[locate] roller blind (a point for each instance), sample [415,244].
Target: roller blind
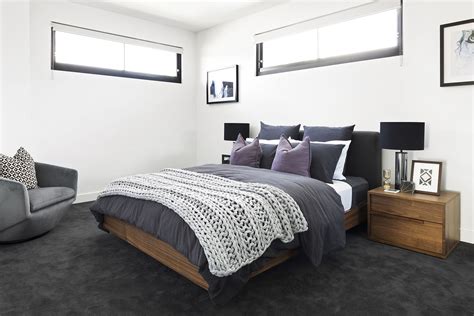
[329,19]
[60,27]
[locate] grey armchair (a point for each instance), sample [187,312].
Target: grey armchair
[25,214]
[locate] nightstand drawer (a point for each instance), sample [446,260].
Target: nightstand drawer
[407,232]
[413,209]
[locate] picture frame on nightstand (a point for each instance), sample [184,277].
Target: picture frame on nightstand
[426,176]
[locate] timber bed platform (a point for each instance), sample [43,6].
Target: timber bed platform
[167,255]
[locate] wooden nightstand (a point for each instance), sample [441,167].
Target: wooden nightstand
[419,222]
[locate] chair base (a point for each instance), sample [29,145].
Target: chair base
[23,240]
[37,224]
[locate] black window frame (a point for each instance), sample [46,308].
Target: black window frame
[343,59]
[112,72]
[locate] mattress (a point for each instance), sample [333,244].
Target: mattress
[353,191]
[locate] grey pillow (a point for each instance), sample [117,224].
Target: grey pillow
[246,155]
[295,160]
[324,161]
[20,168]
[268,154]
[325,133]
[274,132]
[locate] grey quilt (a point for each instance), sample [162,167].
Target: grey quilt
[320,204]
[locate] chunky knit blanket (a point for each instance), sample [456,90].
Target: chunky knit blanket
[235,222]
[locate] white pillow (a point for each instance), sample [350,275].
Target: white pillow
[265,141]
[338,173]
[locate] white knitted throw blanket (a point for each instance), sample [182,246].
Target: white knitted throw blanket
[235,222]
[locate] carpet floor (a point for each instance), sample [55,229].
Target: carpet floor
[79,269]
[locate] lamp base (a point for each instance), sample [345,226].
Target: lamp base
[401,167]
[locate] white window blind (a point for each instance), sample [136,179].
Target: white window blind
[329,19]
[364,32]
[113,37]
[83,50]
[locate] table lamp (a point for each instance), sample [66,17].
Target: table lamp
[402,136]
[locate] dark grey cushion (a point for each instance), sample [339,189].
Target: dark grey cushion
[274,131]
[44,197]
[325,133]
[324,161]
[268,154]
[289,159]
[244,154]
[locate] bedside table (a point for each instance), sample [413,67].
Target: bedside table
[419,222]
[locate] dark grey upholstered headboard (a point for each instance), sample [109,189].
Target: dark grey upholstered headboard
[364,158]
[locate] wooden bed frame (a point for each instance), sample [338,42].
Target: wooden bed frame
[170,257]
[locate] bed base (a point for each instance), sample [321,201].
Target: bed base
[167,255]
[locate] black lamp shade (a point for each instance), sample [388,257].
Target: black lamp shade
[232,130]
[402,135]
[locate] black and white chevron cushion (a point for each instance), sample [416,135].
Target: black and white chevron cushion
[20,168]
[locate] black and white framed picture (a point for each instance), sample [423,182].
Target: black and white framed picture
[223,85]
[426,175]
[457,53]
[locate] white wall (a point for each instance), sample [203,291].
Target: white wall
[15,63]
[1,73]
[105,127]
[364,93]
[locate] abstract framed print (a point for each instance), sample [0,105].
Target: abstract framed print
[457,53]
[426,176]
[223,85]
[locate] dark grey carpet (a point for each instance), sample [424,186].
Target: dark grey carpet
[78,269]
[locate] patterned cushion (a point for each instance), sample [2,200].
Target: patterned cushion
[20,168]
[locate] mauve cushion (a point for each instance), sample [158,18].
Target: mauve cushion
[275,132]
[293,160]
[325,133]
[246,155]
[324,161]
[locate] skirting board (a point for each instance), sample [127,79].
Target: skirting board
[467,235]
[86,197]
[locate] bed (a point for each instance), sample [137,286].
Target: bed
[162,236]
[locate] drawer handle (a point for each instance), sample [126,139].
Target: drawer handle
[418,221]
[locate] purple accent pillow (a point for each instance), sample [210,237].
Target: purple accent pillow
[246,155]
[293,160]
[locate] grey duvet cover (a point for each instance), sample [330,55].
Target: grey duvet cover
[320,205]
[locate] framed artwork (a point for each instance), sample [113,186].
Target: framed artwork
[426,176]
[223,85]
[457,53]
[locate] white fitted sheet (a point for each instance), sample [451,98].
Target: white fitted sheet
[345,192]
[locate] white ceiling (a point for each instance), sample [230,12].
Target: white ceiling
[193,15]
